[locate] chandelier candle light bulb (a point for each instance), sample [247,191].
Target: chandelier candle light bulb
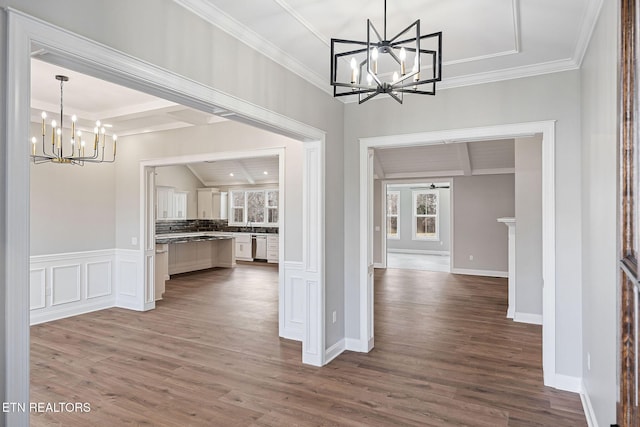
[403,57]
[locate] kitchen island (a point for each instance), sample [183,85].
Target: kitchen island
[184,252]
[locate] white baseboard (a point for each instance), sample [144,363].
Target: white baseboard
[417,251]
[511,312]
[355,344]
[379,265]
[534,319]
[568,383]
[334,351]
[75,310]
[589,413]
[485,273]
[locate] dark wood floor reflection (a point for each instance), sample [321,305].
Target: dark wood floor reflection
[209,355]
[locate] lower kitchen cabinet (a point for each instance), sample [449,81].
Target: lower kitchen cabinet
[273,248]
[243,247]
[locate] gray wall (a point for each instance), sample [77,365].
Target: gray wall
[182,179]
[379,208]
[478,201]
[528,183]
[406,223]
[547,97]
[72,207]
[219,137]
[599,179]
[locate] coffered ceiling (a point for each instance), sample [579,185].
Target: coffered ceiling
[483,40]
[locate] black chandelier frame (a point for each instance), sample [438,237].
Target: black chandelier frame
[405,83]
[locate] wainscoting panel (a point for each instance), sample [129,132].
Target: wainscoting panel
[98,279]
[292,302]
[65,284]
[129,277]
[68,284]
[38,291]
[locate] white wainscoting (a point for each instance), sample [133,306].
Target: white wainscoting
[63,285]
[68,284]
[292,302]
[486,273]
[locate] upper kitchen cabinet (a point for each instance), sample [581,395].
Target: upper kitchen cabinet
[170,203]
[212,203]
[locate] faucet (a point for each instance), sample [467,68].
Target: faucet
[249,225]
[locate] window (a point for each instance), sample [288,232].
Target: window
[272,207]
[237,207]
[393,214]
[425,215]
[255,207]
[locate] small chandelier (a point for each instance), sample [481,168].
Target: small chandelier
[73,151]
[381,65]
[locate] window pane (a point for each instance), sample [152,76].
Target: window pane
[432,202]
[238,215]
[255,206]
[392,226]
[273,216]
[237,198]
[392,204]
[421,204]
[272,198]
[426,227]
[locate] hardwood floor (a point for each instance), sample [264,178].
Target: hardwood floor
[209,355]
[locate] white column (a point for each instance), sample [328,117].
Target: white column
[511,225]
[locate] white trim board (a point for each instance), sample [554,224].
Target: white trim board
[589,412]
[418,251]
[484,273]
[448,136]
[533,319]
[334,351]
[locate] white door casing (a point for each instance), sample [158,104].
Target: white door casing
[547,129]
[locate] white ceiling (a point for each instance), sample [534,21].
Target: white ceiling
[446,160]
[483,40]
[249,171]
[126,110]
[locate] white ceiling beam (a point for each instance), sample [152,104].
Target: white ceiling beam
[434,174]
[378,171]
[196,174]
[463,157]
[245,172]
[494,171]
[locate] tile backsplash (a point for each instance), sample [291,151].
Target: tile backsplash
[195,225]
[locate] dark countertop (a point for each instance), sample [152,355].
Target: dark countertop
[187,239]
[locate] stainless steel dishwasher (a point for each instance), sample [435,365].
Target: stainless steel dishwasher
[259,247]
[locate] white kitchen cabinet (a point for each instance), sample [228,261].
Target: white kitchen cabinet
[164,202]
[212,203]
[273,248]
[243,246]
[180,205]
[170,203]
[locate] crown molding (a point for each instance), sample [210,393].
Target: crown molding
[586,31]
[226,23]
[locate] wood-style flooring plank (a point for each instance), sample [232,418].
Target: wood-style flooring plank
[209,355]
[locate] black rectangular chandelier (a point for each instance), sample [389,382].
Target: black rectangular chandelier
[379,65]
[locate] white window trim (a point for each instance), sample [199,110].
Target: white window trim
[245,211]
[397,237]
[414,235]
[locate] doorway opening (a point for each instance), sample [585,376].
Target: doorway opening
[456,137]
